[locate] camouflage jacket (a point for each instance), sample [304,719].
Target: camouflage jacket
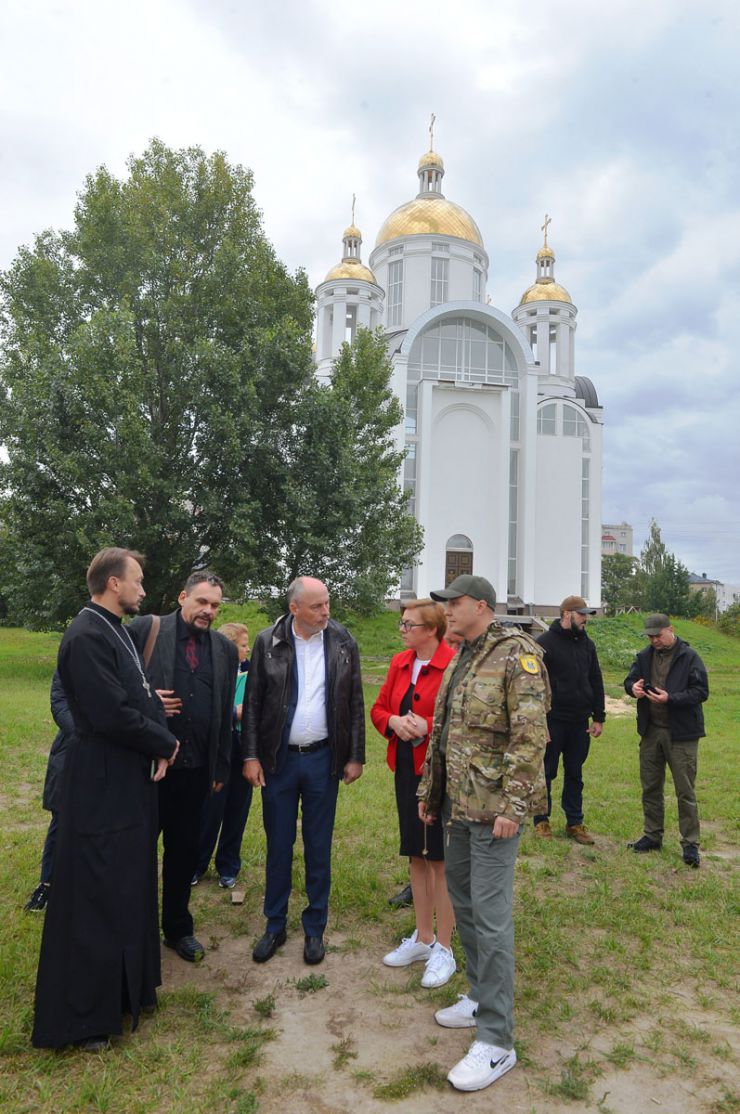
[497,733]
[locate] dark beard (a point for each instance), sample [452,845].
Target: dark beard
[131,609]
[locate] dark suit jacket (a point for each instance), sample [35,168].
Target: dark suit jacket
[161,672]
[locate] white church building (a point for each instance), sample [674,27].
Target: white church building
[503,439]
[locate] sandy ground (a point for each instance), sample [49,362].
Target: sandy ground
[388,1027]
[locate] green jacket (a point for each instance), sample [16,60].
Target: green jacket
[497,733]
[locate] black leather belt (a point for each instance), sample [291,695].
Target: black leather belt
[309,748]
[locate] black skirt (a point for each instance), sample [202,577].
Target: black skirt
[411,828]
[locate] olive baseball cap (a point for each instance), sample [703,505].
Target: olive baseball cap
[654,624]
[477,587]
[577,603]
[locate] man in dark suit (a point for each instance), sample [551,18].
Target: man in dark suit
[194,671]
[305,729]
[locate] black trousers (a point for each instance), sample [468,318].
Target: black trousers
[181,796]
[572,741]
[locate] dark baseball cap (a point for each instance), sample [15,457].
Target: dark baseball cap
[477,587]
[654,624]
[577,603]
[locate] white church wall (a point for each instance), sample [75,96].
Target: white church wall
[462,479]
[558,526]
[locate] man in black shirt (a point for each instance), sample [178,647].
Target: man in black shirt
[194,671]
[577,697]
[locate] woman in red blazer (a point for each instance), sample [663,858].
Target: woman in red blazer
[403,713]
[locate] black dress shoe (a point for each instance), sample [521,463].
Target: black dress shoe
[644,844]
[402,899]
[266,947]
[313,949]
[101,1043]
[691,855]
[187,947]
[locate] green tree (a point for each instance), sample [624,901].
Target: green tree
[662,580]
[729,621]
[344,517]
[619,585]
[151,359]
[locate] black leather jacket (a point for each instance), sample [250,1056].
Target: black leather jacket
[268,695]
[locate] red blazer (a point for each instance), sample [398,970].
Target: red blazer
[394,689]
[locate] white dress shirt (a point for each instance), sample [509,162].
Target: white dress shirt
[309,722]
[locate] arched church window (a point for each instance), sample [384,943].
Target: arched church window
[575,425]
[465,349]
[547,419]
[459,541]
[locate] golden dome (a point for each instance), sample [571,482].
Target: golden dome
[545,253]
[431,159]
[546,290]
[425,215]
[352,233]
[351,269]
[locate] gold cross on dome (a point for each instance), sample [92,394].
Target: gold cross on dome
[544,227]
[354,198]
[431,132]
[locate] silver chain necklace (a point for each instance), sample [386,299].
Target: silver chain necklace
[128,646]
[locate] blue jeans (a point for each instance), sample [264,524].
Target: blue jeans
[304,779]
[223,819]
[572,740]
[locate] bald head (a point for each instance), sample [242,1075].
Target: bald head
[308,600]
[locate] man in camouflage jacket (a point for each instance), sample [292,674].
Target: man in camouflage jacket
[484,773]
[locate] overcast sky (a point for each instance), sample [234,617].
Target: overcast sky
[619,120]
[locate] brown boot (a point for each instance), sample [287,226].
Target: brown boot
[579,833]
[543,829]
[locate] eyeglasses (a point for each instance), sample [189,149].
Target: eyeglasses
[406,625]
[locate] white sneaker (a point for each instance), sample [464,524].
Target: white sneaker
[440,967]
[410,950]
[459,1016]
[483,1065]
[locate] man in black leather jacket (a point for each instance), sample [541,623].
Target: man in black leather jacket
[303,730]
[577,697]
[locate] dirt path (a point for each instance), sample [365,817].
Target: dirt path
[366,1026]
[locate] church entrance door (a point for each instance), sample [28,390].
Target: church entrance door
[458,557]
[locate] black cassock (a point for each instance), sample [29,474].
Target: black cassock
[100,947]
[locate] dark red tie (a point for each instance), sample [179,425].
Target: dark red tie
[191,653]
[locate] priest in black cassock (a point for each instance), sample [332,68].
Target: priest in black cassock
[100,947]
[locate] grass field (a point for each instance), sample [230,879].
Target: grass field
[624,963]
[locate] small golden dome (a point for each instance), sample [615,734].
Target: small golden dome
[546,290]
[351,269]
[352,233]
[545,253]
[430,215]
[431,159]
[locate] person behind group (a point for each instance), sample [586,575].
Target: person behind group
[483,773]
[305,729]
[99,952]
[403,713]
[669,681]
[577,695]
[224,815]
[64,737]
[193,669]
